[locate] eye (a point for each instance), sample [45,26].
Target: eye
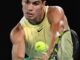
[36,3]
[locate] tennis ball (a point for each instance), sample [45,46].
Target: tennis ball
[40,46]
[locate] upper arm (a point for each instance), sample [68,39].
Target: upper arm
[55,13]
[17,34]
[57,18]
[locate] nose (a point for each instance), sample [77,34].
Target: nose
[30,7]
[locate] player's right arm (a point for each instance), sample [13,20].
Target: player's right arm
[17,39]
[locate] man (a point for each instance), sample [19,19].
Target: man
[37,33]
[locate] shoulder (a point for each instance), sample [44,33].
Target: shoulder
[17,28]
[16,32]
[58,9]
[55,13]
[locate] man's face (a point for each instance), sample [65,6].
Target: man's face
[32,9]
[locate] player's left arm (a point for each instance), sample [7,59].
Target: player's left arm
[57,19]
[59,24]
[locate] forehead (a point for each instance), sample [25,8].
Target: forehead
[33,0]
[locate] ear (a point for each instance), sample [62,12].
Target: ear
[22,3]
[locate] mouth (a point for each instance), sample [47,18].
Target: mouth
[29,14]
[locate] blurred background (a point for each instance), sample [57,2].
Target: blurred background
[11,13]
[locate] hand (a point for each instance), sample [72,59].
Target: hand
[45,56]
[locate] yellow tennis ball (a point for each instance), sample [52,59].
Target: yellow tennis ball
[40,46]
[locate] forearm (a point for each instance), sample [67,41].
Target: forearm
[17,58]
[17,53]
